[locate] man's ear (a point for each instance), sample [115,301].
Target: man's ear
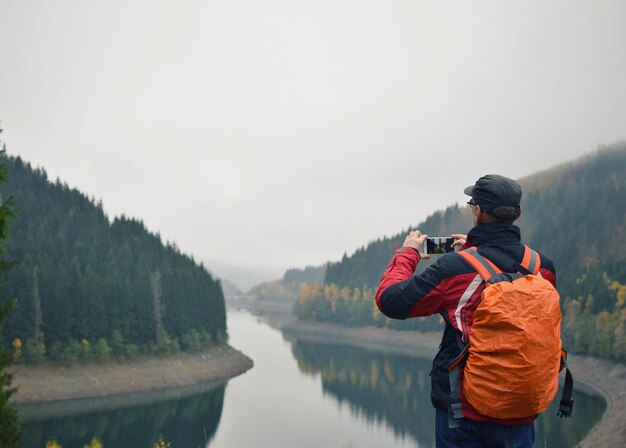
[476,212]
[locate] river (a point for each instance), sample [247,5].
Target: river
[299,394]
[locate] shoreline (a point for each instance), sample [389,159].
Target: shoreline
[98,385]
[597,376]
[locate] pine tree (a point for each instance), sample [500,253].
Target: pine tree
[9,420]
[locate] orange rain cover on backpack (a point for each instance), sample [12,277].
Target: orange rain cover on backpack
[515,342]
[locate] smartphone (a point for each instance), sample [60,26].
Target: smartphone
[438,245]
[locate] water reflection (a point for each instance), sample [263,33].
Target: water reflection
[299,394]
[554,431]
[190,421]
[395,389]
[392,389]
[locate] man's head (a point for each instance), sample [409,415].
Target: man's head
[496,195]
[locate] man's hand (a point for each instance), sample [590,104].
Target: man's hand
[416,239]
[459,239]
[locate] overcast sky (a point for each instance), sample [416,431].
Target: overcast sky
[282,133]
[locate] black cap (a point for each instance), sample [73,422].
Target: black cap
[497,195]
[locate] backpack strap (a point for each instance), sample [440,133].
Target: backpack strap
[485,268]
[531,261]
[567,402]
[455,411]
[503,262]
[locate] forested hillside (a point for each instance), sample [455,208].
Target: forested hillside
[85,284]
[366,265]
[288,288]
[574,213]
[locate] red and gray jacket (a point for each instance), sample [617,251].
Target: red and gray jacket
[452,289]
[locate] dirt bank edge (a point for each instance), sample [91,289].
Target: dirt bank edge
[48,382]
[590,374]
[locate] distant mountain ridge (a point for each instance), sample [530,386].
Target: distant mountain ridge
[575,213]
[242,278]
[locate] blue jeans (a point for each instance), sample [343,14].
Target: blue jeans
[473,434]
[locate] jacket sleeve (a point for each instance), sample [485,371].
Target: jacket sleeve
[402,294]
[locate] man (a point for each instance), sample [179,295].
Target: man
[452,288]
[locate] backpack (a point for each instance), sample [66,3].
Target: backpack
[514,355]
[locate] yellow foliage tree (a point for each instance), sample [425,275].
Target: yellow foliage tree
[620,291]
[161,443]
[331,291]
[17,349]
[95,443]
[309,292]
[619,347]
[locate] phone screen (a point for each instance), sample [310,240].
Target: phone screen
[439,245]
